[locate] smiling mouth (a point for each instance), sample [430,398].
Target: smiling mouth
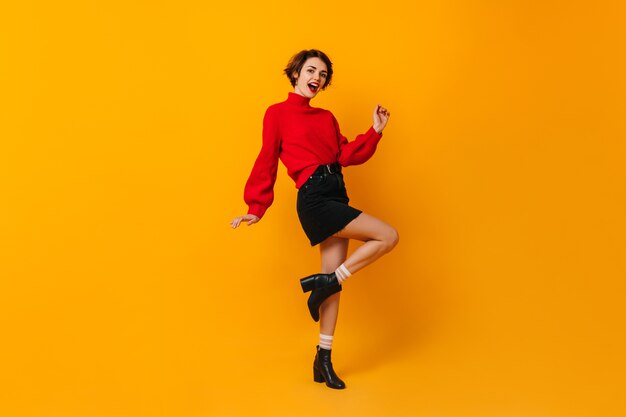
[313,87]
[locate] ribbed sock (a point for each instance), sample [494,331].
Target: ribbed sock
[342,273]
[326,341]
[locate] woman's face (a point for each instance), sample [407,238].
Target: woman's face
[312,77]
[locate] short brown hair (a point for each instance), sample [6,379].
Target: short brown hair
[297,62]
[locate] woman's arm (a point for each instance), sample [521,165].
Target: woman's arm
[259,189]
[363,146]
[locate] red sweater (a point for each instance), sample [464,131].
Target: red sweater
[303,137]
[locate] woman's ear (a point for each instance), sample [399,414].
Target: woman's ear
[295,76]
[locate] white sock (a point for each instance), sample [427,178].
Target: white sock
[326,341]
[342,273]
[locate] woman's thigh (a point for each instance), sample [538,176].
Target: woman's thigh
[367,227]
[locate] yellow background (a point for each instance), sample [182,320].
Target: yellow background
[128,129]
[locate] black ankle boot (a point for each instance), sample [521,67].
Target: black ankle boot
[318,281]
[321,286]
[317,297]
[323,370]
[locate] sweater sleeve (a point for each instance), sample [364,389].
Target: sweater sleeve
[360,149]
[259,190]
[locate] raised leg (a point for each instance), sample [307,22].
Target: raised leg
[379,238]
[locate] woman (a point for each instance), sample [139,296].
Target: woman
[308,142]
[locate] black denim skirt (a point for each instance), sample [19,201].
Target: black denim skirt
[322,205]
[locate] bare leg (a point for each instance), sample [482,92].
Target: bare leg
[378,236]
[333,252]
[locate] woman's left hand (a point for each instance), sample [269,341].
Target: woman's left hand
[381,116]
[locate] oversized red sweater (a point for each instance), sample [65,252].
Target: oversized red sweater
[302,137]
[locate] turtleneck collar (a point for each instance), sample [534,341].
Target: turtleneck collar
[298,100]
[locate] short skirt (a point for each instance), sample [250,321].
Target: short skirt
[322,205]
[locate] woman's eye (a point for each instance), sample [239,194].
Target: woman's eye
[310,71]
[323,75]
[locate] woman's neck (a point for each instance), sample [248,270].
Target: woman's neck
[299,99]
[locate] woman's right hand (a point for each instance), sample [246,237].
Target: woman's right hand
[250,218]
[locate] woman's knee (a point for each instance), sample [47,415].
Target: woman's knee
[390,239]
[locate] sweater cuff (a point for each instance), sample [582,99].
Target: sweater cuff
[374,132]
[257,210]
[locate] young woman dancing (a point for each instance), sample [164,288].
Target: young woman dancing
[308,142]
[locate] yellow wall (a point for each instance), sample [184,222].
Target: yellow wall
[128,129]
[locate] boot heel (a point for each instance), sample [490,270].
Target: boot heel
[317,375]
[307,283]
